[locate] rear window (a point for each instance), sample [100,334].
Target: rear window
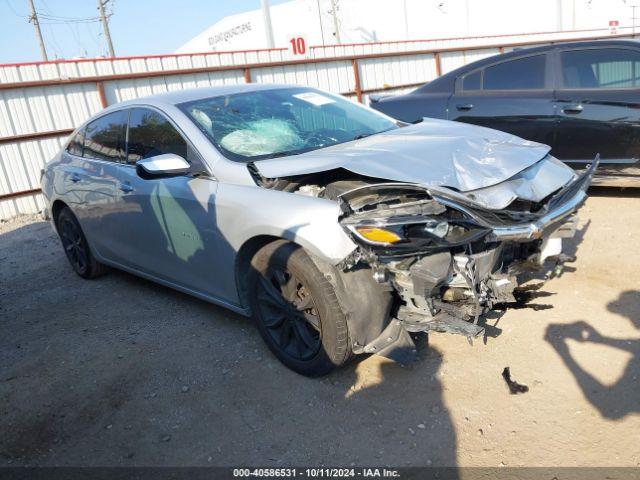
[522,74]
[105,137]
[472,81]
[601,68]
[76,144]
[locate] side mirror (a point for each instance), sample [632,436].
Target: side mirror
[166,165]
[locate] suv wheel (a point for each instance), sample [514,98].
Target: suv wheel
[296,310]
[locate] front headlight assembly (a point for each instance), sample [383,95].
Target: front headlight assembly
[417,233]
[404,218]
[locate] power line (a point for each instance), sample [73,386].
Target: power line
[73,29]
[66,19]
[68,23]
[44,18]
[58,51]
[46,13]
[55,20]
[95,37]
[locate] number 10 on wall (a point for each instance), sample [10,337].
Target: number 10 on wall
[298,46]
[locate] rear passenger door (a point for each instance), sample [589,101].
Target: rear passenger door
[91,174]
[515,96]
[598,104]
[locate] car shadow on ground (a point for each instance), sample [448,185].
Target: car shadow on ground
[614,400]
[402,406]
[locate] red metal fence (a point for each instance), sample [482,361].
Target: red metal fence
[359,64]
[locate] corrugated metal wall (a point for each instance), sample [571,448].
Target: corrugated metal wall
[40,103]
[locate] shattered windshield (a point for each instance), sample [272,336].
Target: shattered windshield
[285,121]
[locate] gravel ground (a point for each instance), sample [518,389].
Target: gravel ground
[120,371]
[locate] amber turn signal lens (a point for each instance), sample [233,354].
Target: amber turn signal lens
[378,235]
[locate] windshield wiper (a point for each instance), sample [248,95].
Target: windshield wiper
[362,135]
[281,154]
[365,135]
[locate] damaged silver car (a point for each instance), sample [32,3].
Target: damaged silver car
[341,230]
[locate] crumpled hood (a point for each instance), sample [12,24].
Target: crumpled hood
[434,152]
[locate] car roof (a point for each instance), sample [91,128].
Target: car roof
[445,81]
[181,96]
[559,45]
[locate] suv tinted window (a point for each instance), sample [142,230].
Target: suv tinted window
[472,81]
[151,134]
[104,137]
[76,144]
[522,74]
[601,68]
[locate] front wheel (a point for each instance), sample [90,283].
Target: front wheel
[297,311]
[76,247]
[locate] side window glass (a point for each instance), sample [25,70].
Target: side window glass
[151,134]
[601,68]
[472,81]
[76,144]
[104,137]
[521,74]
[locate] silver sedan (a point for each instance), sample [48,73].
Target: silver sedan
[339,229]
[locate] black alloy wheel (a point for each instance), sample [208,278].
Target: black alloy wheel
[289,314]
[74,244]
[76,247]
[296,309]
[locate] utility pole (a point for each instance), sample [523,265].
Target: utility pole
[34,19]
[336,26]
[406,20]
[559,15]
[266,15]
[105,26]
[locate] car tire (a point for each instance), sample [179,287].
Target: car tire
[76,246]
[296,310]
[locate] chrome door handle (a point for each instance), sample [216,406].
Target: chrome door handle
[464,106]
[126,187]
[574,108]
[75,178]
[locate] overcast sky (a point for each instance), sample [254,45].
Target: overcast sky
[138,27]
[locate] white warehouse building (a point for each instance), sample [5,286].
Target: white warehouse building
[327,22]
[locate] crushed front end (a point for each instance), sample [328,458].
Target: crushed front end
[449,259]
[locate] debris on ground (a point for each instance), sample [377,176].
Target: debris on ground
[514,387]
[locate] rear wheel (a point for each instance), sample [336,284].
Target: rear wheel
[296,310]
[76,247]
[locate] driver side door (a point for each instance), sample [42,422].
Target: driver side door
[167,225]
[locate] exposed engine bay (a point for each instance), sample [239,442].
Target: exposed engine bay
[447,257]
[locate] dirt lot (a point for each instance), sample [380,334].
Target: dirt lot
[120,371]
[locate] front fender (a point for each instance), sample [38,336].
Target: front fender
[244,212]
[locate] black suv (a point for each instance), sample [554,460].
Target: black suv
[580,98]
